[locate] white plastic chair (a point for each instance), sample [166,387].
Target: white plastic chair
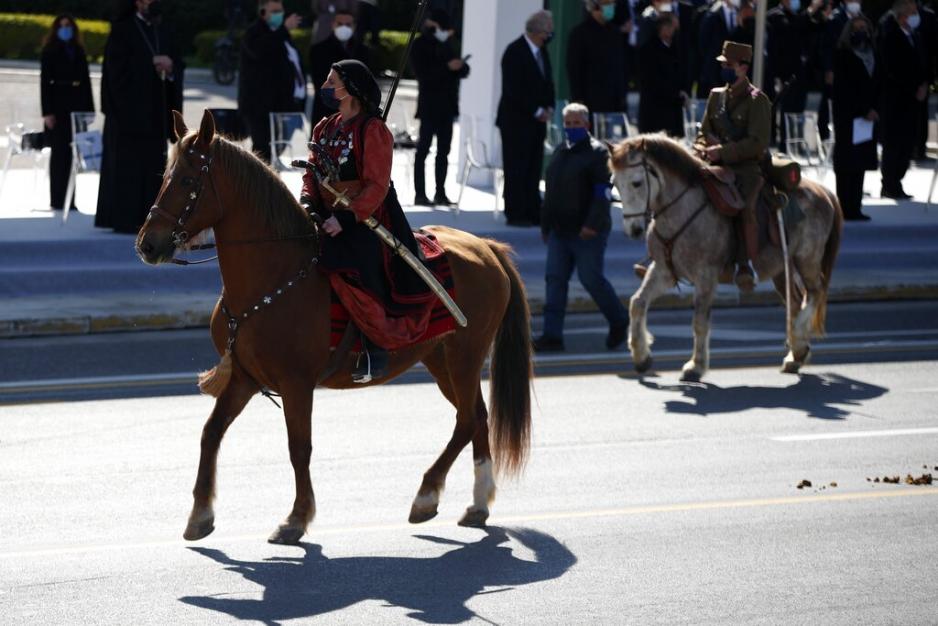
[612,126]
[802,139]
[87,147]
[692,110]
[283,131]
[405,132]
[933,147]
[22,140]
[479,158]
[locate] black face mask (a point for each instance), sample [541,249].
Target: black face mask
[859,39]
[153,11]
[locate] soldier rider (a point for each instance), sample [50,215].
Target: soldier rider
[735,133]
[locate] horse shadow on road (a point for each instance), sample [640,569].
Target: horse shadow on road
[818,396]
[435,589]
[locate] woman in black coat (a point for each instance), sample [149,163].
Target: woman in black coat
[856,95]
[64,88]
[662,78]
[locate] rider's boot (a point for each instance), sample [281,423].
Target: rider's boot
[372,362]
[640,268]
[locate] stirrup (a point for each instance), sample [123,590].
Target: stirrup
[745,278]
[362,375]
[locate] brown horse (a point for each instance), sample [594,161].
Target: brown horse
[659,180]
[266,253]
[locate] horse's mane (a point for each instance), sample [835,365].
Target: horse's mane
[258,187]
[664,151]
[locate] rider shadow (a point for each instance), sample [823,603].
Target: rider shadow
[817,396]
[436,589]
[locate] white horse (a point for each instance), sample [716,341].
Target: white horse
[659,182]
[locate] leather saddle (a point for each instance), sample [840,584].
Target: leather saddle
[720,184]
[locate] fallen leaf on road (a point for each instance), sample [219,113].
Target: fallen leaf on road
[894,480]
[924,479]
[834,484]
[804,483]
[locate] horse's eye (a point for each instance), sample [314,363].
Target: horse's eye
[187,181]
[637,184]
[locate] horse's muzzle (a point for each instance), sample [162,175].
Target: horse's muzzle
[155,248]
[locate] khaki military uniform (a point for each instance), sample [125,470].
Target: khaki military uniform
[738,118]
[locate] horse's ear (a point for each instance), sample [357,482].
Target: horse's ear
[611,147]
[207,129]
[179,125]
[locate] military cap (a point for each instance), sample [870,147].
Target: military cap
[738,52]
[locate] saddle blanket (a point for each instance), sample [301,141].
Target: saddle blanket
[440,321]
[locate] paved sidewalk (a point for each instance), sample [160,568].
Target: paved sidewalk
[60,278]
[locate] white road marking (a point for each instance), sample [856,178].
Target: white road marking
[858,434]
[648,509]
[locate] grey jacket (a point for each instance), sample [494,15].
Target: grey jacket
[577,189]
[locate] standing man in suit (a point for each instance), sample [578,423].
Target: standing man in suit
[904,89]
[788,51]
[596,59]
[271,77]
[527,103]
[438,69]
[662,79]
[715,28]
[345,42]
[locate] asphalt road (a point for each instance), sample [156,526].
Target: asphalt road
[645,501]
[164,363]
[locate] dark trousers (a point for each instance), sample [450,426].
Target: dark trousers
[898,143]
[60,161]
[564,253]
[824,113]
[522,158]
[921,130]
[258,127]
[850,190]
[442,129]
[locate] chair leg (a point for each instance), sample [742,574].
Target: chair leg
[463,178]
[6,168]
[931,188]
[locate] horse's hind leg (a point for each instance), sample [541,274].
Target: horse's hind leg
[483,491]
[802,314]
[704,291]
[227,407]
[657,281]
[463,394]
[297,409]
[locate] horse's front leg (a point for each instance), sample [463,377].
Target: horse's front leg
[227,407]
[297,410]
[657,281]
[704,291]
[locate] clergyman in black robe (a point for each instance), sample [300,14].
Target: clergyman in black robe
[141,84]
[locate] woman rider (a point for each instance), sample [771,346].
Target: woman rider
[386,299]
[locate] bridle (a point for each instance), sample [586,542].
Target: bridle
[180,235]
[649,215]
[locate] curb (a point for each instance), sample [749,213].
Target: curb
[187,319]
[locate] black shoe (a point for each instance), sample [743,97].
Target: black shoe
[859,217]
[440,199]
[895,194]
[616,336]
[422,201]
[546,343]
[372,363]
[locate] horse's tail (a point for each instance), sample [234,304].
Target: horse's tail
[214,381]
[831,248]
[511,372]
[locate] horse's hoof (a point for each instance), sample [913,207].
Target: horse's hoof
[643,366]
[474,519]
[791,367]
[286,535]
[199,530]
[418,516]
[690,376]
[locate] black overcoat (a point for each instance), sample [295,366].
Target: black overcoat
[856,92]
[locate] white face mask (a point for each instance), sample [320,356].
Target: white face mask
[441,35]
[344,33]
[734,3]
[914,21]
[853,9]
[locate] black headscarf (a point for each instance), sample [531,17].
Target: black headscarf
[360,83]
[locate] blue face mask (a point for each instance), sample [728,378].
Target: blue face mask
[65,33]
[609,11]
[794,5]
[576,135]
[275,19]
[549,37]
[728,74]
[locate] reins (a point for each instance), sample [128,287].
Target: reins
[650,215]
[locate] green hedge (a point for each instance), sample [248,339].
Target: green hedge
[21,35]
[387,55]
